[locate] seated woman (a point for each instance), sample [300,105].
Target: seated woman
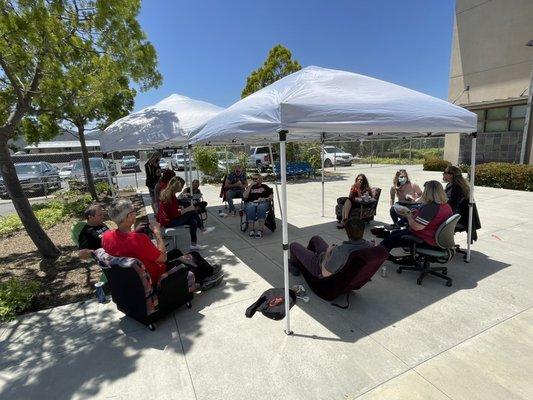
[359,190]
[124,242]
[322,260]
[162,183]
[171,215]
[457,189]
[257,196]
[408,193]
[192,196]
[423,221]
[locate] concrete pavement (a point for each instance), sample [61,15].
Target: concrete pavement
[397,340]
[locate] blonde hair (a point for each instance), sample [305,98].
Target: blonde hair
[434,193]
[174,186]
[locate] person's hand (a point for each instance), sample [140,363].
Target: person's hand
[84,254]
[187,209]
[143,227]
[156,228]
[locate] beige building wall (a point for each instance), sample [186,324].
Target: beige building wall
[489,61]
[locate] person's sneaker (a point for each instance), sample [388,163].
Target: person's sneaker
[259,234]
[196,247]
[252,233]
[293,269]
[207,230]
[212,281]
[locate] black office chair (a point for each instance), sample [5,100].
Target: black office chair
[424,254]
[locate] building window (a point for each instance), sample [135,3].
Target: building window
[501,119]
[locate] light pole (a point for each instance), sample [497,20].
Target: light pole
[527,121]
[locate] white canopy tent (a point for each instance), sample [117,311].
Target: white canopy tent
[318,104]
[168,123]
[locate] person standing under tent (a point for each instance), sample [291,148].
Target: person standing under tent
[153,172]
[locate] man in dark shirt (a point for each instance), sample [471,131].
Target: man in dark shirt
[90,237]
[234,185]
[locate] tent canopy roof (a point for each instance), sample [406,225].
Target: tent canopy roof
[169,122]
[337,104]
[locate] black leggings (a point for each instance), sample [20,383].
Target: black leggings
[194,262]
[395,239]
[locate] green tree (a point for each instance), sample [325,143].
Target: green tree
[40,43]
[279,63]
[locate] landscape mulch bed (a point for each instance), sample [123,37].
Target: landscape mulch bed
[66,280]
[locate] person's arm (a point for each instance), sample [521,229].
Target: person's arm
[325,260]
[246,192]
[85,254]
[455,197]
[423,216]
[160,243]
[392,195]
[415,226]
[417,192]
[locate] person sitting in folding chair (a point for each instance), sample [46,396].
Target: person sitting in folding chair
[192,196]
[234,187]
[257,197]
[88,234]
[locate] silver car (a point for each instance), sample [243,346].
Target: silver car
[35,177]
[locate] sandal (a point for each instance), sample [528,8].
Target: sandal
[259,234]
[252,233]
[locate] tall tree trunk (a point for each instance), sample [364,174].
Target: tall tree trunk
[43,243]
[86,164]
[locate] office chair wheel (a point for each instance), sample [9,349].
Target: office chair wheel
[445,271]
[151,327]
[449,283]
[419,281]
[399,270]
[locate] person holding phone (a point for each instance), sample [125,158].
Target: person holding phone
[257,196]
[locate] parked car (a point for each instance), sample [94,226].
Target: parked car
[65,171]
[35,177]
[260,157]
[177,161]
[99,171]
[163,164]
[231,157]
[335,156]
[130,163]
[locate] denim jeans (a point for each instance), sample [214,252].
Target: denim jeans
[232,194]
[256,211]
[190,218]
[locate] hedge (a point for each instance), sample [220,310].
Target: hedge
[505,176]
[435,164]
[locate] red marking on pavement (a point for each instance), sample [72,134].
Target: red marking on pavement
[494,236]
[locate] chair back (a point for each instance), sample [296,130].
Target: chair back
[445,233]
[76,230]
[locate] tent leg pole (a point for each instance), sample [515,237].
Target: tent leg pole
[185,163]
[471,201]
[322,150]
[285,233]
[275,179]
[189,153]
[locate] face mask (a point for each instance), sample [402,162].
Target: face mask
[402,180]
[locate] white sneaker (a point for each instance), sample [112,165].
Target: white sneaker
[207,230]
[196,247]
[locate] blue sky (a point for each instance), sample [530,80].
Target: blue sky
[207,48]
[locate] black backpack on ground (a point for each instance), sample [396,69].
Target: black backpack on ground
[270,221]
[272,304]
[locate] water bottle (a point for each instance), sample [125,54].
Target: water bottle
[100,294]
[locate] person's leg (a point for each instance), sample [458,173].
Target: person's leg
[251,211]
[346,210]
[300,255]
[262,209]
[230,194]
[395,239]
[155,206]
[199,267]
[173,258]
[394,216]
[190,219]
[317,245]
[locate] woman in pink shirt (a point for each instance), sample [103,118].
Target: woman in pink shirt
[408,193]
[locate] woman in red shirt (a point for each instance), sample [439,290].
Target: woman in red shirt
[171,215]
[424,221]
[162,183]
[360,189]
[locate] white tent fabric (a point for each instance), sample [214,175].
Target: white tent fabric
[323,104]
[342,105]
[167,123]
